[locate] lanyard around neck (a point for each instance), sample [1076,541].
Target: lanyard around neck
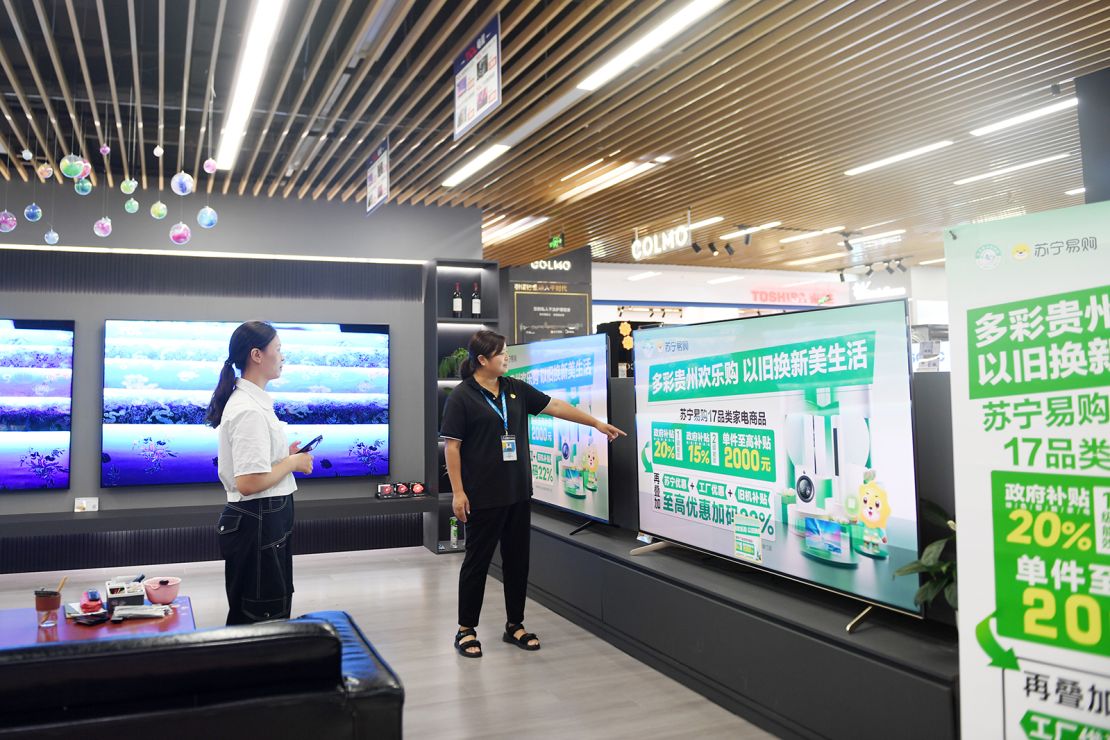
[503,412]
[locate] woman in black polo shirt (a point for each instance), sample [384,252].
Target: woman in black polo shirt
[485,425]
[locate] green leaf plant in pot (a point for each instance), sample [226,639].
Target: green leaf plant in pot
[449,365]
[938,576]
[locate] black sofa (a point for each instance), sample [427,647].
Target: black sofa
[312,677]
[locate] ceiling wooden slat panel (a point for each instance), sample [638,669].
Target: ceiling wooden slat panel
[760,106]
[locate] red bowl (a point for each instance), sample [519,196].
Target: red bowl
[162,589]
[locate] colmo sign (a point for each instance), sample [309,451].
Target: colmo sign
[666,241]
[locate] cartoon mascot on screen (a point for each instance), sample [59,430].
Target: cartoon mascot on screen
[874,513]
[589,474]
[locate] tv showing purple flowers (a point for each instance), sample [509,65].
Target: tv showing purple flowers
[159,377]
[36,379]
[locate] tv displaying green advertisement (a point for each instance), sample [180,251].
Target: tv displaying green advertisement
[786,443]
[570,462]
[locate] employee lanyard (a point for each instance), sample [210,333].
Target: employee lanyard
[503,413]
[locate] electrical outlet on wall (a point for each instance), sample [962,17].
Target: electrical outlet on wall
[86,504]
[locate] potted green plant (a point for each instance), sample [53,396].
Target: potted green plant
[938,575]
[449,365]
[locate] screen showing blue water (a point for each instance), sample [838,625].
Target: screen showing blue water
[159,377]
[36,377]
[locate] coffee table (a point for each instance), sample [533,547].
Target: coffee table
[20,626]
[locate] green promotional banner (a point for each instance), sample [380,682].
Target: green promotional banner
[747,453]
[1030,307]
[836,361]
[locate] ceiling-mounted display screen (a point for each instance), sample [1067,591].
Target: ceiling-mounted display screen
[785,442]
[159,377]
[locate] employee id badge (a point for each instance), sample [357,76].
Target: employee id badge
[508,447]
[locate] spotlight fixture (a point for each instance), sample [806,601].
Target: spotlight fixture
[747,240]
[847,240]
[842,276]
[889,269]
[729,249]
[870,271]
[713,249]
[696,247]
[900,266]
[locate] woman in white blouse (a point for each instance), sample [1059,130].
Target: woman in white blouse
[256,465]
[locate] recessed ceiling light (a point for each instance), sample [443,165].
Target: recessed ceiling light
[1008,170]
[1029,116]
[582,169]
[484,158]
[669,28]
[663,158]
[937,261]
[811,234]
[501,233]
[875,237]
[1076,191]
[751,230]
[815,260]
[607,180]
[643,276]
[706,222]
[898,158]
[723,280]
[873,226]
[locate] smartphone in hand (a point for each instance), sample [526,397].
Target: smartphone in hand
[311,444]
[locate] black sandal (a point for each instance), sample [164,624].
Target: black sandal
[522,641]
[464,648]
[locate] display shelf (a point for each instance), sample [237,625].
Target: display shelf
[444,334]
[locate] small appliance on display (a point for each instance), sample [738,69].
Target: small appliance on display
[570,462]
[402,490]
[417,488]
[785,442]
[385,490]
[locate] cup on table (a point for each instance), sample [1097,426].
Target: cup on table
[47,603]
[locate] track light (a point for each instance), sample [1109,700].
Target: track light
[847,240]
[842,276]
[730,250]
[900,266]
[870,271]
[696,247]
[713,249]
[889,269]
[747,240]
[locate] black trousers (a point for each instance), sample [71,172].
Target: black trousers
[256,538]
[511,526]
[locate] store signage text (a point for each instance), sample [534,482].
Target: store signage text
[561,265]
[655,244]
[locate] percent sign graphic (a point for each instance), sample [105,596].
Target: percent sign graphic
[1076,535]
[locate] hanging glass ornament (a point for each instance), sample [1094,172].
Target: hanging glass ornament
[45,171]
[26,154]
[158,150]
[131,205]
[32,212]
[86,170]
[182,183]
[158,210]
[207,217]
[210,166]
[50,237]
[105,150]
[82,187]
[180,234]
[8,221]
[102,227]
[128,186]
[71,165]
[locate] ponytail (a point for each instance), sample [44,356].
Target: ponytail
[246,337]
[485,343]
[220,395]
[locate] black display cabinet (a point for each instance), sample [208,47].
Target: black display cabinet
[445,333]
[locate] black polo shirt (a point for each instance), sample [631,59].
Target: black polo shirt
[488,480]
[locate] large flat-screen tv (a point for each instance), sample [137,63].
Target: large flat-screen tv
[36,384]
[785,442]
[159,377]
[570,462]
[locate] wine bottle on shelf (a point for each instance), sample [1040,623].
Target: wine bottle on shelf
[475,303]
[456,303]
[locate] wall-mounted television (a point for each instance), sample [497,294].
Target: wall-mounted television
[570,462]
[36,390]
[159,377]
[785,442]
